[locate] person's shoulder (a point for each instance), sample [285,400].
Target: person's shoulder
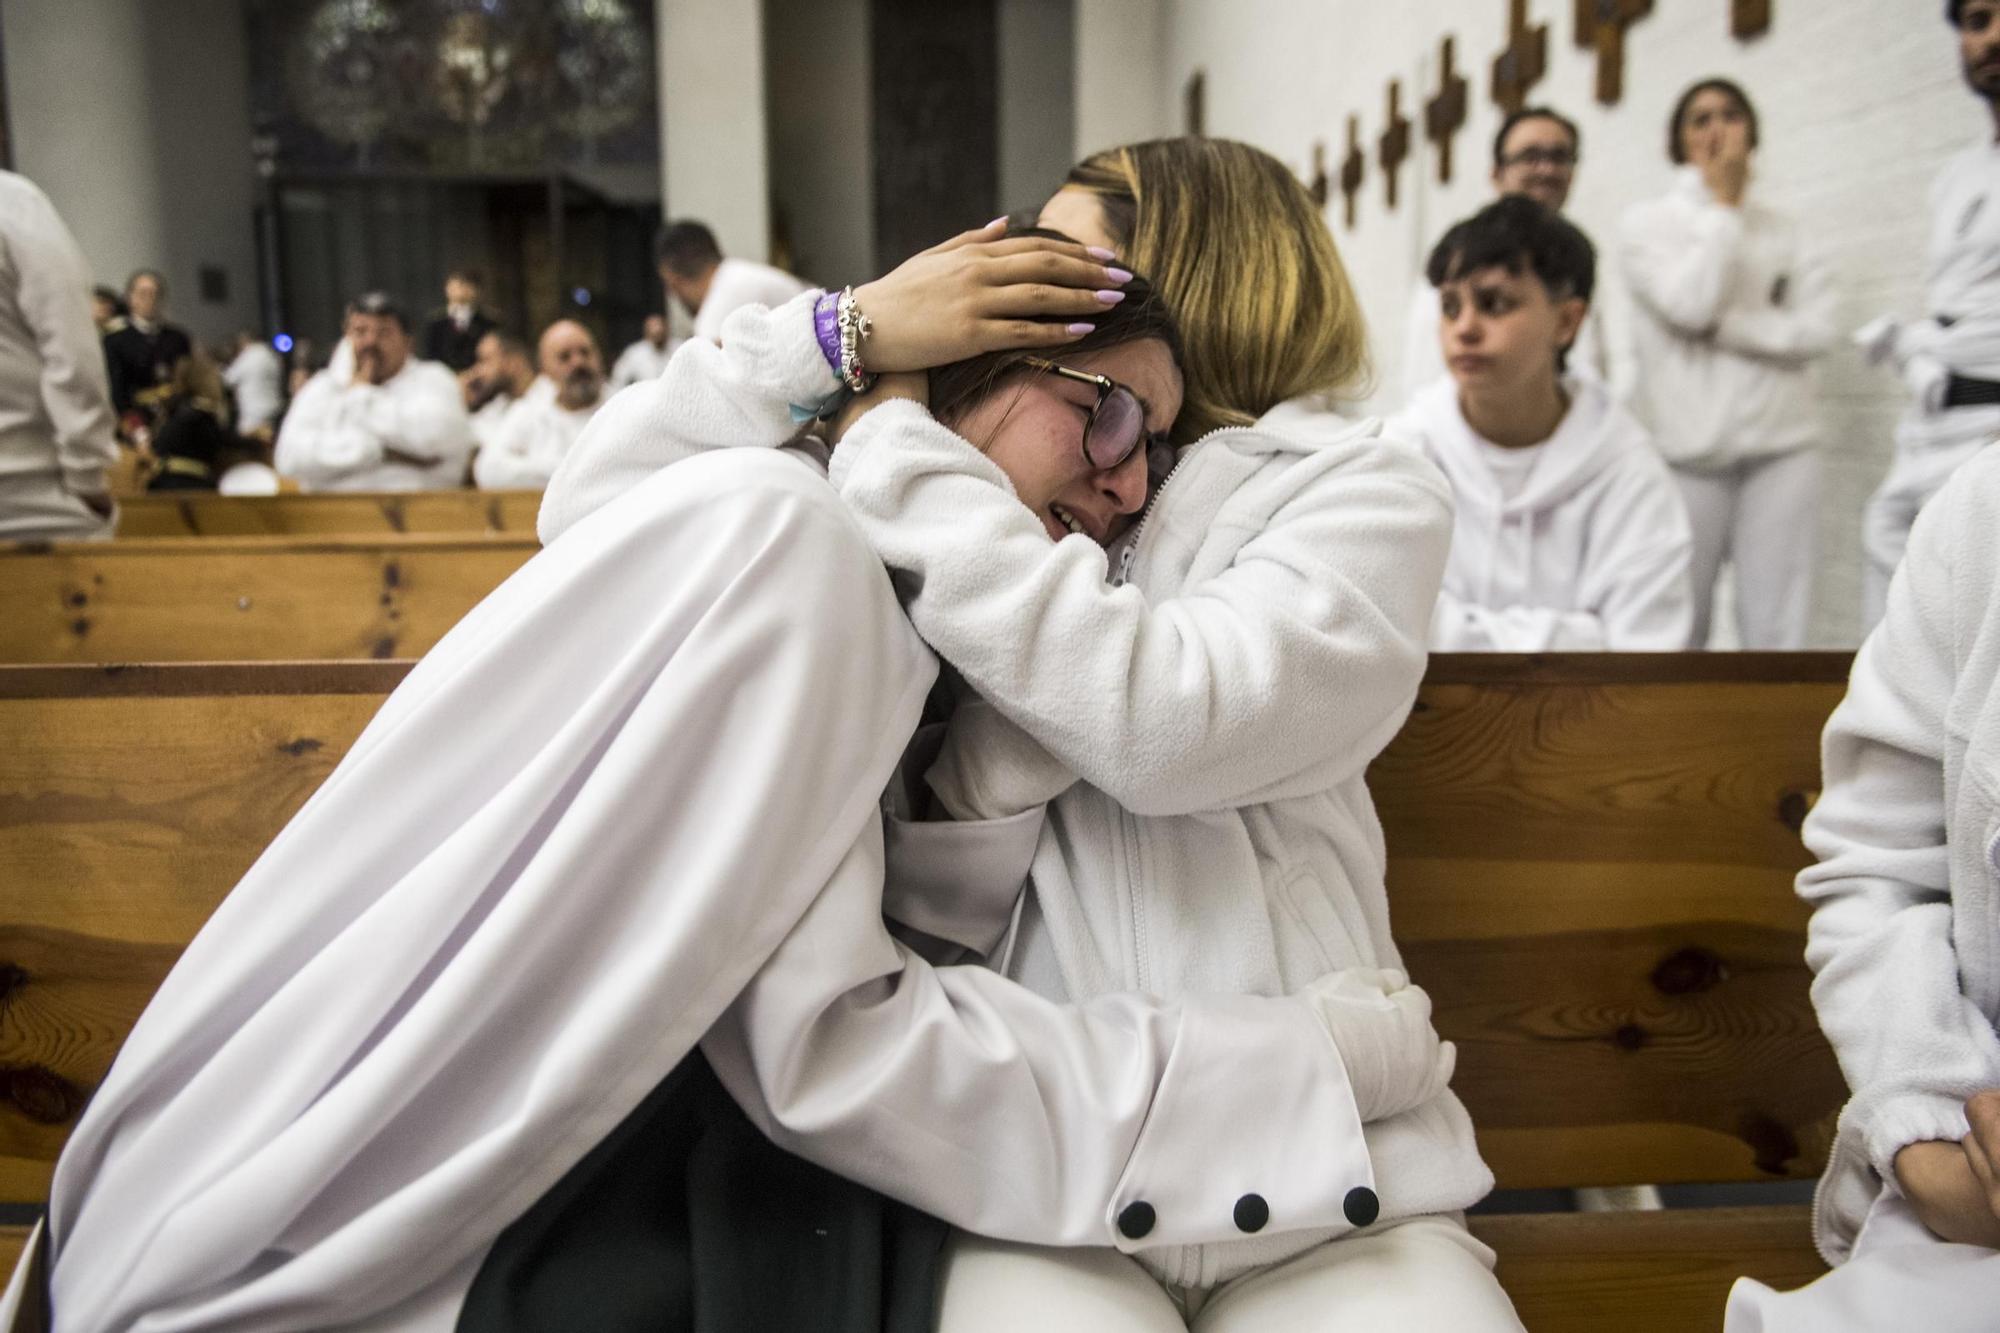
[431,377]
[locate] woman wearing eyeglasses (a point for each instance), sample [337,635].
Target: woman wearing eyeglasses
[1193,691]
[1732,303]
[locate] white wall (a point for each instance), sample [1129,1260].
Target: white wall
[134,117]
[1037,69]
[822,149]
[712,130]
[1121,72]
[1861,100]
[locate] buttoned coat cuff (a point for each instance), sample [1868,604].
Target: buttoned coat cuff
[1222,1156]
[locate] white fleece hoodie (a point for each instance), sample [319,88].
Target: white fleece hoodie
[1905,935]
[1591,554]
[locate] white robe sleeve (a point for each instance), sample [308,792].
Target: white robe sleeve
[1799,329]
[53,284]
[1285,673]
[1886,985]
[516,459]
[422,413]
[320,442]
[737,395]
[1678,263]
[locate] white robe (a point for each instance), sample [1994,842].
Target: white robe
[337,435]
[532,439]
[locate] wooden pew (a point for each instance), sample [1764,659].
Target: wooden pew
[205,514]
[244,598]
[1590,869]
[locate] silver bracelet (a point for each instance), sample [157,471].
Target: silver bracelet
[854,330]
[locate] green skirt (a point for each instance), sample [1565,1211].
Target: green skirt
[688,1220]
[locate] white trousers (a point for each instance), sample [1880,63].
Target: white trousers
[1762,515]
[1900,1276]
[1925,460]
[1426,1273]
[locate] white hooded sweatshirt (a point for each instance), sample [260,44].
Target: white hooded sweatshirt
[1588,553]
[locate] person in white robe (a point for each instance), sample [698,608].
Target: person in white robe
[1904,944]
[1568,534]
[539,430]
[1535,153]
[384,421]
[1733,302]
[711,287]
[502,374]
[256,378]
[1949,361]
[500,924]
[644,359]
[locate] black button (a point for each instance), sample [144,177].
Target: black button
[1252,1213]
[1361,1205]
[1136,1222]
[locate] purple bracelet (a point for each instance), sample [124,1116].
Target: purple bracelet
[826,327]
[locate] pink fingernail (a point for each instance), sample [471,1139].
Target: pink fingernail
[1080,329]
[1099,252]
[1118,275]
[996,222]
[1111,298]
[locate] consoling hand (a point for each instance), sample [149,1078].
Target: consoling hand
[984,292]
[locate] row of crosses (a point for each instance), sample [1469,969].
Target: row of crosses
[1601,26]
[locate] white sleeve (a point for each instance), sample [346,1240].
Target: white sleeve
[423,416]
[1636,563]
[1794,331]
[751,391]
[1465,627]
[969,1096]
[510,461]
[1678,263]
[318,443]
[1285,673]
[54,287]
[1886,972]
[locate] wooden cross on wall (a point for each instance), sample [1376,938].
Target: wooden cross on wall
[1522,62]
[1444,115]
[1394,146]
[1194,104]
[1318,186]
[1600,26]
[1353,168]
[1749,18]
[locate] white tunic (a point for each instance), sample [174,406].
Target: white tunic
[640,361]
[256,378]
[55,407]
[1731,306]
[337,435]
[738,283]
[1591,551]
[533,438]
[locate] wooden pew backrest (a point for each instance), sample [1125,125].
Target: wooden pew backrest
[205,514]
[1590,869]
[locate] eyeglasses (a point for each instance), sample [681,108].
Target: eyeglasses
[1116,426]
[1561,158]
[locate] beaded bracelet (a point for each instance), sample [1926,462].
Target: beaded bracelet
[826,328]
[854,330]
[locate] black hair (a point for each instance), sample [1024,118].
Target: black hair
[1517,234]
[1728,88]
[1954,13]
[1142,314]
[1535,113]
[468,275]
[116,300]
[686,248]
[382,304]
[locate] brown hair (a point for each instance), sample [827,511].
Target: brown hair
[1142,314]
[1243,255]
[1676,150]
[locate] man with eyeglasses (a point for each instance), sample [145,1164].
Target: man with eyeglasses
[1949,361]
[1534,154]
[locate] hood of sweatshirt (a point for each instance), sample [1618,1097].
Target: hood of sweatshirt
[1595,433]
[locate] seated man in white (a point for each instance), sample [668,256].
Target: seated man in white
[645,359]
[381,421]
[711,288]
[543,423]
[540,428]
[1905,949]
[1569,535]
[502,374]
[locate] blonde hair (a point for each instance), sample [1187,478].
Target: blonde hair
[1242,255]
